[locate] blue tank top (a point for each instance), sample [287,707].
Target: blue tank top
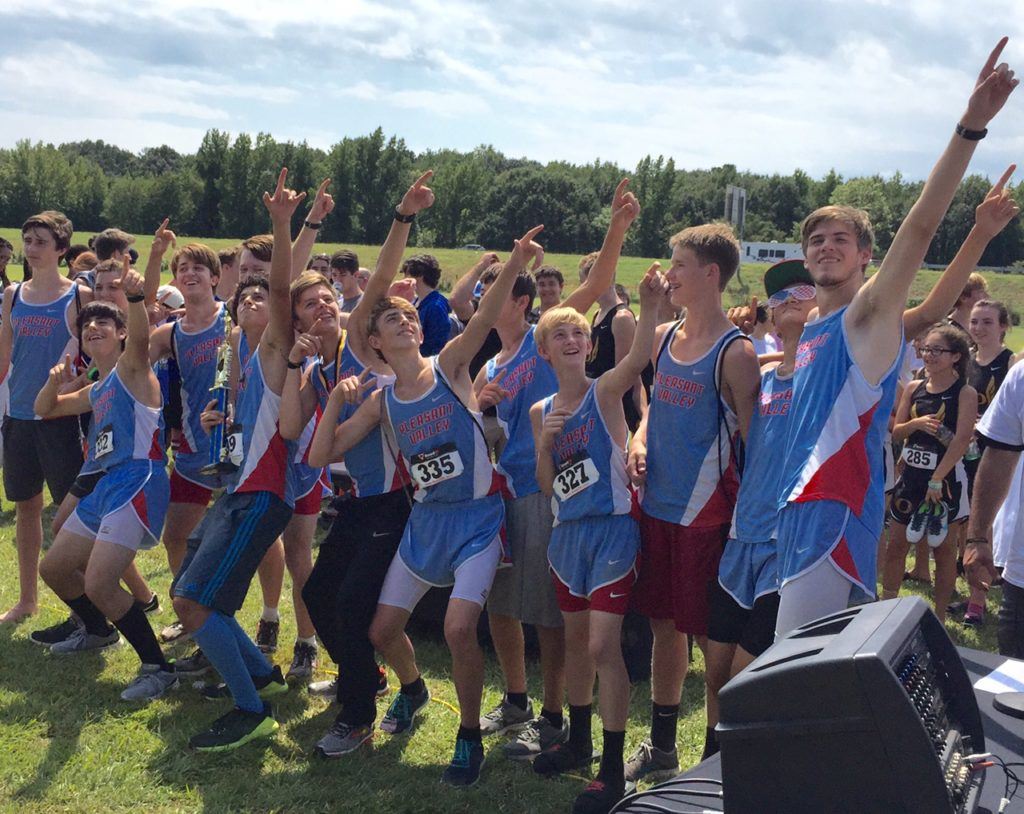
[833,448]
[757,506]
[41,340]
[590,470]
[442,443]
[122,428]
[196,357]
[528,379]
[374,469]
[265,453]
[691,471]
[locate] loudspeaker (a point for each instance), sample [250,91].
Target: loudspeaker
[866,710]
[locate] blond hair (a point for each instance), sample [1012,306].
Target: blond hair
[304,282]
[553,317]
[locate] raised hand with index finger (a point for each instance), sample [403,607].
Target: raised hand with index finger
[418,197]
[994,85]
[625,206]
[998,208]
[283,203]
[323,203]
[163,238]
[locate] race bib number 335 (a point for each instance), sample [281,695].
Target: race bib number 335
[436,466]
[574,475]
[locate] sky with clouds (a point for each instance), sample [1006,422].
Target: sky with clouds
[865,87]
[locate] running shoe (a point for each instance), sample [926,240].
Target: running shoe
[195,664]
[82,641]
[173,632]
[540,734]
[562,758]
[504,717]
[464,770]
[303,663]
[975,615]
[327,688]
[55,633]
[938,525]
[651,764]
[599,797]
[917,525]
[343,738]
[401,715]
[235,729]
[266,635]
[151,683]
[153,606]
[267,686]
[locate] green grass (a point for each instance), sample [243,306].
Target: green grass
[70,744]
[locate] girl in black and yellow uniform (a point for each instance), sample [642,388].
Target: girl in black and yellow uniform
[936,420]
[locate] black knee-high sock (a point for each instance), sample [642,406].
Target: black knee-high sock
[139,633]
[580,739]
[664,718]
[612,770]
[92,617]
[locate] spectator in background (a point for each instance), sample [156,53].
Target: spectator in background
[110,244]
[431,304]
[623,294]
[764,341]
[321,263]
[363,277]
[74,253]
[343,267]
[83,263]
[549,288]
[228,273]
[6,252]
[975,291]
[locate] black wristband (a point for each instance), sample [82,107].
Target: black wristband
[135,297]
[970,135]
[314,226]
[403,218]
[294,365]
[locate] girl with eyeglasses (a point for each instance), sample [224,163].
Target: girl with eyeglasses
[935,421]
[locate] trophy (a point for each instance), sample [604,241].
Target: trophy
[222,452]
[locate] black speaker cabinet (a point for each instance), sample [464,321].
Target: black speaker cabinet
[867,710]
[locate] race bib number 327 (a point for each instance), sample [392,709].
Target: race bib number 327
[436,466]
[574,475]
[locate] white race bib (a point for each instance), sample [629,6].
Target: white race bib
[233,444]
[920,458]
[436,466]
[574,475]
[104,442]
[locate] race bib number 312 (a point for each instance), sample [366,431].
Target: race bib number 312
[574,475]
[436,466]
[104,441]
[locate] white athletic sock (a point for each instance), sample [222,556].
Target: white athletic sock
[270,615]
[310,641]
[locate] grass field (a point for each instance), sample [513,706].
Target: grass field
[1006,287]
[69,744]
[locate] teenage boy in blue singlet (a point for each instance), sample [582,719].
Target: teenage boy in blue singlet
[512,382]
[832,499]
[580,434]
[36,333]
[454,531]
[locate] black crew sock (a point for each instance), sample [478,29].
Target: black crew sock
[710,743]
[553,718]
[518,699]
[663,726]
[612,770]
[139,633]
[92,618]
[580,740]
[416,687]
[469,733]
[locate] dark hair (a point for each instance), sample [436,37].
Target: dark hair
[549,271]
[227,257]
[382,307]
[345,260]
[318,256]
[249,281]
[100,310]
[56,223]
[108,265]
[423,267]
[762,313]
[260,246]
[109,241]
[1001,310]
[6,244]
[524,286]
[958,342]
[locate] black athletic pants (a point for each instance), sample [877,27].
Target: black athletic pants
[342,591]
[1010,629]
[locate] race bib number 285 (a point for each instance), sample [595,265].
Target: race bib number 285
[920,458]
[574,475]
[436,466]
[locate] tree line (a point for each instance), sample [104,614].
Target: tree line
[483,196]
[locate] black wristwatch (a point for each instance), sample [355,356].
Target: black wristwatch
[403,218]
[294,365]
[314,226]
[970,135]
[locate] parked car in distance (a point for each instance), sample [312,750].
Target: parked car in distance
[473,247]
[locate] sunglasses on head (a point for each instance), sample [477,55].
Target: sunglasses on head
[799,292]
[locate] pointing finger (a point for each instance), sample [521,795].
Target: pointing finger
[419,182]
[1007,173]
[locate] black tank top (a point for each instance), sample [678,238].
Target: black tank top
[602,359]
[944,406]
[987,379]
